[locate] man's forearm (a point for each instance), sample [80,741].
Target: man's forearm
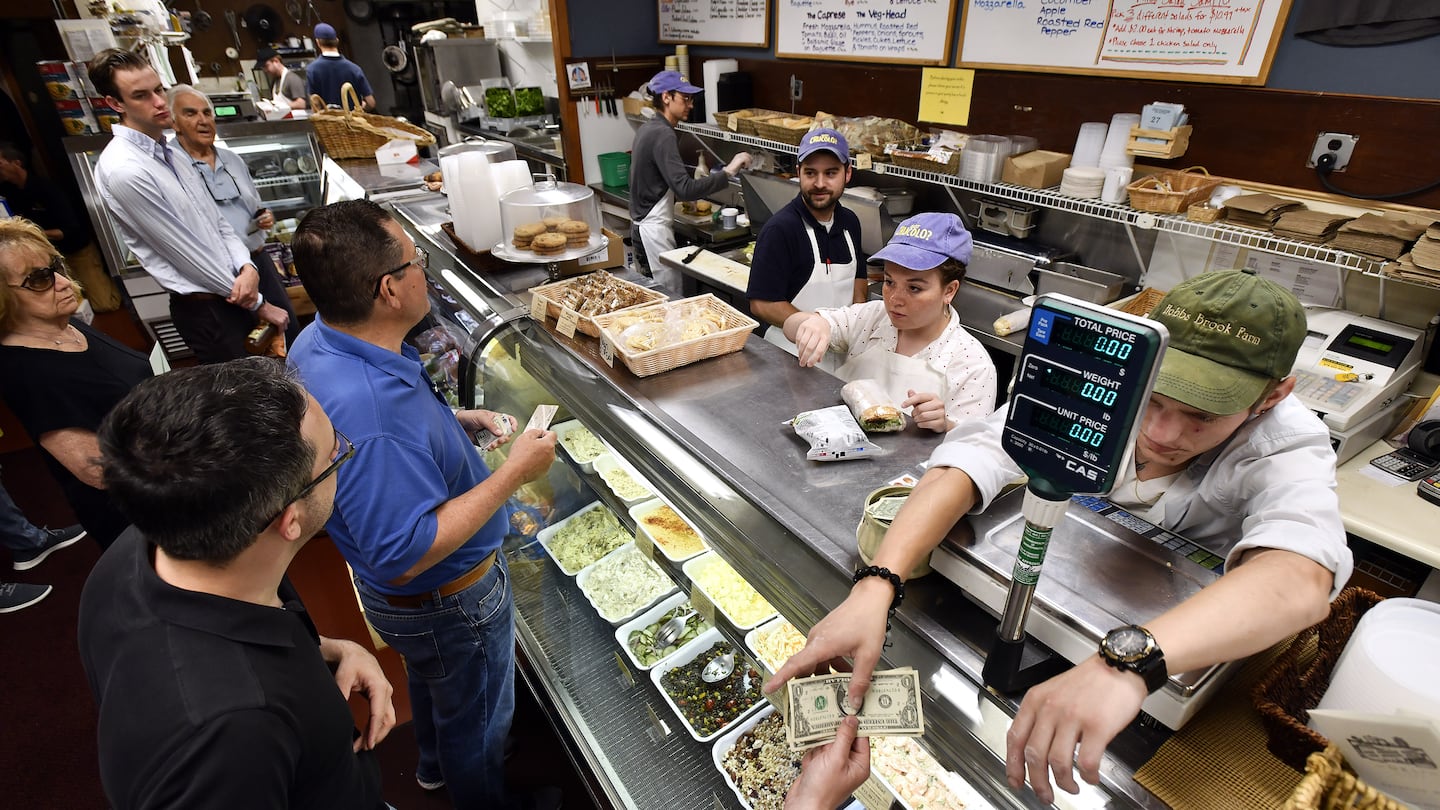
[457,520]
[1271,595]
[772,312]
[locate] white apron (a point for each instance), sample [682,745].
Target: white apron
[897,374]
[276,96]
[657,234]
[830,286]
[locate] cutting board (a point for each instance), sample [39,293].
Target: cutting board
[691,219]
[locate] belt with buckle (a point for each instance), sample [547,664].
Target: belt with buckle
[454,586]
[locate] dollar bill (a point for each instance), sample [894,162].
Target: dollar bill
[886,508]
[892,707]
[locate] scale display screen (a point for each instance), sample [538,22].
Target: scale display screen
[1084,376]
[227,111]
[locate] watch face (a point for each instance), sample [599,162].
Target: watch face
[1127,643]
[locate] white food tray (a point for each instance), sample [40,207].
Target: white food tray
[695,563]
[640,510]
[583,580]
[622,633]
[611,461]
[727,741]
[969,797]
[547,535]
[564,428]
[685,655]
[755,633]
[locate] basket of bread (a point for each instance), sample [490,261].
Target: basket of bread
[593,294]
[659,337]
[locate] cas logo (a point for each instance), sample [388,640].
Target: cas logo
[823,137]
[914,231]
[1088,472]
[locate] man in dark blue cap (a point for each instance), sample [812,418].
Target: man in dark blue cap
[807,256]
[330,71]
[658,176]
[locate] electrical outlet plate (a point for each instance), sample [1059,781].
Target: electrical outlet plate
[1342,145]
[797,87]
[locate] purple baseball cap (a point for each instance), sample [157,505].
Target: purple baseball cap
[925,241]
[667,80]
[824,139]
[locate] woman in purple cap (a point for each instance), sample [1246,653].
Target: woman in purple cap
[912,342]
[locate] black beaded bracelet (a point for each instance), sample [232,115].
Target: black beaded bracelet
[884,573]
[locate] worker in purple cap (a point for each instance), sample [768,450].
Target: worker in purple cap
[658,176]
[807,256]
[330,71]
[911,343]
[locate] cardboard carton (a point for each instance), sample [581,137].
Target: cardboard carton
[613,256]
[1037,169]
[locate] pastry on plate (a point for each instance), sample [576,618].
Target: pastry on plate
[524,234]
[548,244]
[553,224]
[576,231]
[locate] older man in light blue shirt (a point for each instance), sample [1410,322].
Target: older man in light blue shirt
[167,218]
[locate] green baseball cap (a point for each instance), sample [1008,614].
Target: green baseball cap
[1231,334]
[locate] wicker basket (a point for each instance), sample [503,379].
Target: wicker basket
[1328,785]
[586,325]
[1172,192]
[1200,212]
[1140,304]
[744,122]
[914,156]
[1285,694]
[789,130]
[352,133]
[735,328]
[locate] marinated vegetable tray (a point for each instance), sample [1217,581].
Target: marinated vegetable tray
[583,538]
[623,583]
[580,443]
[622,479]
[676,538]
[756,760]
[707,709]
[732,595]
[635,636]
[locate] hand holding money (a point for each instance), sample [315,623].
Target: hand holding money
[817,704]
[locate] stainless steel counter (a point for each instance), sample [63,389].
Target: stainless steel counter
[713,437]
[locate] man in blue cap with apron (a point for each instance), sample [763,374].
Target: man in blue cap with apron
[806,257]
[658,176]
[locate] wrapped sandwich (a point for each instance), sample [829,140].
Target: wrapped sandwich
[872,407]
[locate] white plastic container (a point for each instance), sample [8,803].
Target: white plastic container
[754,635]
[622,633]
[611,462]
[727,741]
[638,513]
[685,655]
[547,535]
[583,580]
[566,428]
[696,564]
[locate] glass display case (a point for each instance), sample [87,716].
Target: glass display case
[708,439]
[284,160]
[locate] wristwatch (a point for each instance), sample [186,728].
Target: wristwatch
[1133,649]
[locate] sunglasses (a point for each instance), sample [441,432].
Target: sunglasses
[421,260]
[40,279]
[344,451]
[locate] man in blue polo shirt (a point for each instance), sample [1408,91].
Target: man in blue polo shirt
[418,515]
[329,72]
[806,257]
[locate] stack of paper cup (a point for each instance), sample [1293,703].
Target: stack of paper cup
[682,61]
[1113,153]
[508,175]
[477,221]
[1089,143]
[1391,662]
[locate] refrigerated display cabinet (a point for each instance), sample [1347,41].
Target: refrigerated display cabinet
[284,160]
[701,434]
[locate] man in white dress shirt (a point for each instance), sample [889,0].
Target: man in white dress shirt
[167,218]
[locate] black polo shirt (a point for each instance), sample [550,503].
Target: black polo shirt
[209,702]
[783,257]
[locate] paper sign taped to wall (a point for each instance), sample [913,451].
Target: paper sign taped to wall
[945,95]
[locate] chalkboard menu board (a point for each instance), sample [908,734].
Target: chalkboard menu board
[906,31]
[715,22]
[1227,41]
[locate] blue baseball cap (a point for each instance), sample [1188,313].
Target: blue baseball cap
[925,241]
[325,31]
[824,139]
[667,80]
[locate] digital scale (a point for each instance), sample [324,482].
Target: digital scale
[1085,374]
[1350,367]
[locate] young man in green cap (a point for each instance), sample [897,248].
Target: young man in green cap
[1224,457]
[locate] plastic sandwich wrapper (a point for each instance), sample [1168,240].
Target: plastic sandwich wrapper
[872,407]
[833,434]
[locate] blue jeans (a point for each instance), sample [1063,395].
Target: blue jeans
[16,532]
[459,653]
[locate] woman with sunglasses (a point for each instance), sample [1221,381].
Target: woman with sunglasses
[59,376]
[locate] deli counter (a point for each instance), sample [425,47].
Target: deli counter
[712,440]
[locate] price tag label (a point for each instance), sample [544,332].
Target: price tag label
[862,160]
[778,700]
[538,305]
[595,258]
[569,320]
[607,350]
[626,677]
[658,729]
[733,122]
[645,545]
[702,604]
[874,795]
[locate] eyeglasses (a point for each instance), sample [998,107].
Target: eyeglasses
[344,452]
[40,279]
[421,260]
